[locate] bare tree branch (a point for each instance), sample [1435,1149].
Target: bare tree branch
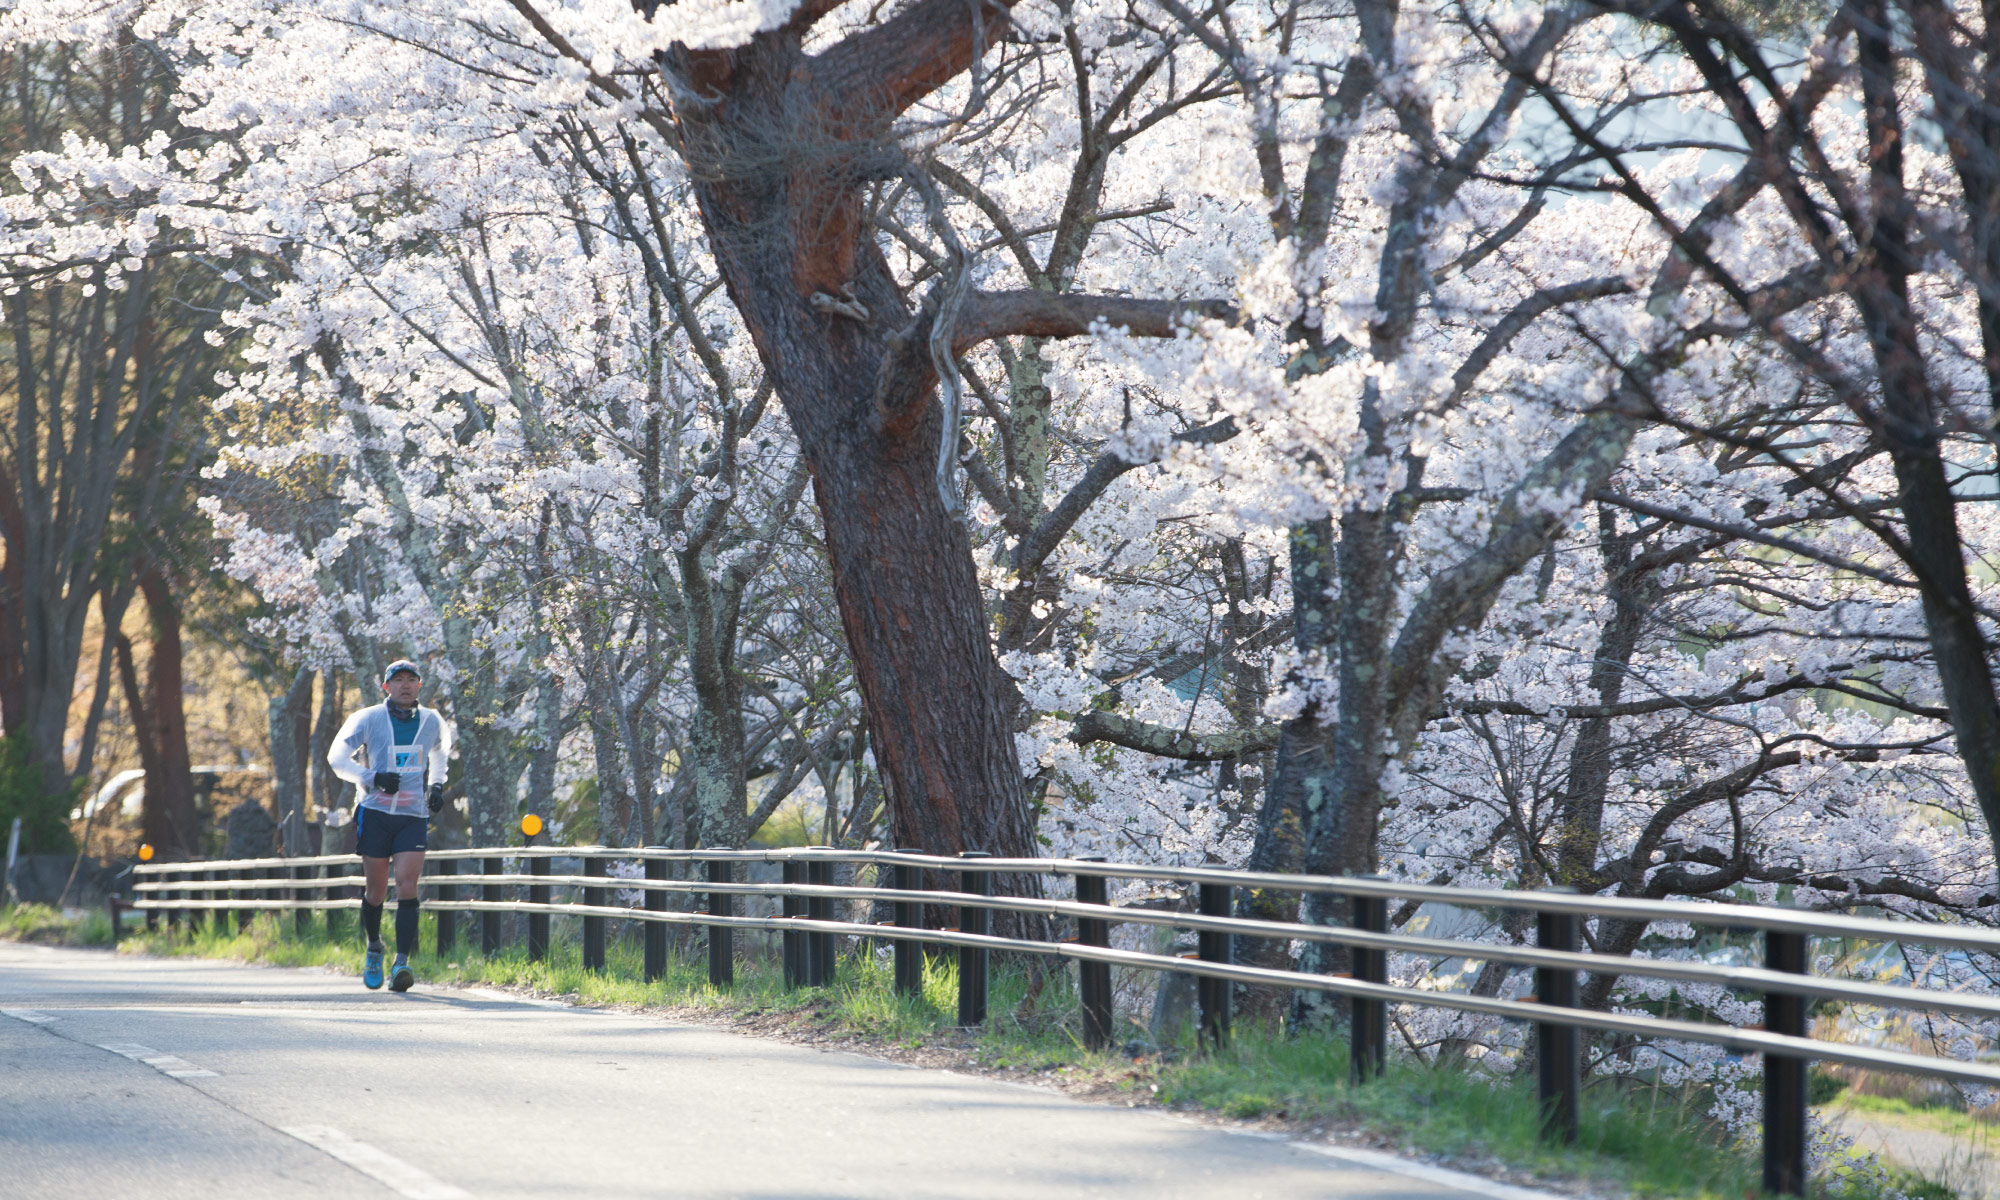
[1169,741]
[987,315]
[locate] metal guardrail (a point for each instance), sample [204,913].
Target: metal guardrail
[187,891]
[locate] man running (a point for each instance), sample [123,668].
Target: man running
[389,752]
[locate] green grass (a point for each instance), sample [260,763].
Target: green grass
[1941,1117]
[1649,1141]
[45,923]
[1644,1141]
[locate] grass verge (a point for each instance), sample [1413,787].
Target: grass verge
[1939,1118]
[1637,1139]
[51,926]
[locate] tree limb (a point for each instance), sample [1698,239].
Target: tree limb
[987,315]
[1168,741]
[1523,315]
[1751,534]
[877,73]
[1037,546]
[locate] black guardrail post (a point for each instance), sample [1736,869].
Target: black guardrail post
[243,915]
[190,916]
[538,922]
[972,960]
[656,931]
[1368,1026]
[446,893]
[593,927]
[794,948]
[489,922]
[205,918]
[116,904]
[301,917]
[172,894]
[820,908]
[1212,996]
[1558,1070]
[909,915]
[721,943]
[1785,1074]
[153,914]
[1093,979]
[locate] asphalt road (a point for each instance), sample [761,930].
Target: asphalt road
[167,1078]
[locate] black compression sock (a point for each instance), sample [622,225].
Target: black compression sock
[406,927]
[371,921]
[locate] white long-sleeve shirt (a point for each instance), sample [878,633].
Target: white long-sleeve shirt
[367,744]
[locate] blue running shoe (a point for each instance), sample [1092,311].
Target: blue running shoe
[401,977]
[371,967]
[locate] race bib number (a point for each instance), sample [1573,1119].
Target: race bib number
[406,760]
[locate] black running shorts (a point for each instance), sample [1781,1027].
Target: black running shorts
[384,835]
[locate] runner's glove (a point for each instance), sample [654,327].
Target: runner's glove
[436,798]
[388,781]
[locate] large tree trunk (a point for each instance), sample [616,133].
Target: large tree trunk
[715,754]
[1342,801]
[290,723]
[176,767]
[940,717]
[168,820]
[780,181]
[13,618]
[715,759]
[329,791]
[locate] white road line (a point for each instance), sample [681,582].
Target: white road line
[165,1064]
[511,998]
[387,1169]
[1461,1181]
[29,1015]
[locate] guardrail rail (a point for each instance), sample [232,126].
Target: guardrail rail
[474,881]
